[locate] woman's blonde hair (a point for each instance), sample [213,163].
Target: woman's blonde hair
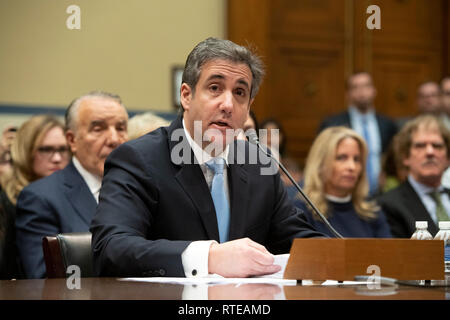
[23,149]
[144,123]
[319,166]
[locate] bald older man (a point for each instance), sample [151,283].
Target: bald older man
[65,201]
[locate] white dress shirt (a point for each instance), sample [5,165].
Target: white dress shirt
[195,257]
[93,181]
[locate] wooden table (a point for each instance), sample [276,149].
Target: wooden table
[110,298]
[113,289]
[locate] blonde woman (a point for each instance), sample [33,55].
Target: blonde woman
[336,182]
[38,150]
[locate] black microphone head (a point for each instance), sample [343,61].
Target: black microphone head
[252,136]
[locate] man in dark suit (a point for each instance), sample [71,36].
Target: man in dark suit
[65,201]
[159,212]
[423,146]
[361,116]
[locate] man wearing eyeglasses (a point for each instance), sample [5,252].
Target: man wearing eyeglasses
[423,146]
[65,201]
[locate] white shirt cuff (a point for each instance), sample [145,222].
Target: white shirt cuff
[195,259]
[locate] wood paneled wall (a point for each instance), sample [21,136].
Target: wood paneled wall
[311,46]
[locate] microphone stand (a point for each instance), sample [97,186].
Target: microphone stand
[255,140]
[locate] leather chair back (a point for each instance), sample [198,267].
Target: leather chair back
[68,249]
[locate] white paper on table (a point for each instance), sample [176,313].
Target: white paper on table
[213,280]
[275,278]
[281,260]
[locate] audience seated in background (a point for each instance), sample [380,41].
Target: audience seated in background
[336,183]
[38,150]
[445,103]
[362,117]
[96,124]
[163,212]
[423,146]
[8,135]
[143,123]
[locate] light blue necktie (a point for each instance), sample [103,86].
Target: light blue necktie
[369,169]
[219,197]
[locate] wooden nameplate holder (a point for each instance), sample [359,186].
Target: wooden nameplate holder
[343,259]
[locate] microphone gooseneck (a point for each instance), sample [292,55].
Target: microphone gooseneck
[253,138]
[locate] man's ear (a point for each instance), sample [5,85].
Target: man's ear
[185,96]
[70,137]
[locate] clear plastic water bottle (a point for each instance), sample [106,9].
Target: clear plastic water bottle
[421,232]
[444,234]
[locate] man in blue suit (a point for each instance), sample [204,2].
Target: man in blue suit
[65,201]
[181,201]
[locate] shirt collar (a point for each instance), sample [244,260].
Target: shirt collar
[93,181]
[200,154]
[338,199]
[355,112]
[422,189]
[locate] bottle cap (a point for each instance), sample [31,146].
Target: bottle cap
[444,224]
[421,224]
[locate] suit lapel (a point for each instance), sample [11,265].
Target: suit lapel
[239,198]
[191,179]
[190,176]
[416,207]
[78,194]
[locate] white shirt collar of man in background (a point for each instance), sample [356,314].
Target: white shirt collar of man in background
[93,182]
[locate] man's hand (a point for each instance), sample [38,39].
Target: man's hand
[240,258]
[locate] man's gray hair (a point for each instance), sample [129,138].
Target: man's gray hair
[213,48]
[72,110]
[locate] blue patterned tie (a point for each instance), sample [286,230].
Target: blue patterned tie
[369,169]
[219,197]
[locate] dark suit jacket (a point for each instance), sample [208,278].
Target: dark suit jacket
[150,209]
[9,268]
[59,203]
[403,207]
[386,126]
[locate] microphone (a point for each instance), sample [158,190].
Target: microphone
[253,138]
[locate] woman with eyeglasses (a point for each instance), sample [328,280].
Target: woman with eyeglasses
[39,149]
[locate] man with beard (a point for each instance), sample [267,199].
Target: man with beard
[361,116]
[423,145]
